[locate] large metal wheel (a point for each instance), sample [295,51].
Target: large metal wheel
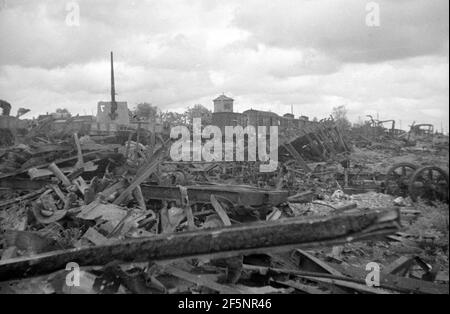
[429,183]
[397,178]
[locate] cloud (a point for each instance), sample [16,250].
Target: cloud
[338,28]
[267,55]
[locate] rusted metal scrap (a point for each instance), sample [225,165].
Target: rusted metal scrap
[228,241]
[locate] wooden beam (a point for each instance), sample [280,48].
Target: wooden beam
[59,161]
[291,149]
[19,199]
[200,280]
[143,173]
[237,194]
[220,211]
[80,161]
[311,263]
[59,174]
[214,243]
[397,283]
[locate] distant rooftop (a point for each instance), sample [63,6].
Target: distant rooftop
[268,113]
[223,97]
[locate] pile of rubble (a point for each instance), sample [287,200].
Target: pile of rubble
[136,222]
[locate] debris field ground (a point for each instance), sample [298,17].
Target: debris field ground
[137,222]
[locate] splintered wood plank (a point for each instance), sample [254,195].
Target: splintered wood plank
[143,174]
[215,243]
[220,211]
[200,280]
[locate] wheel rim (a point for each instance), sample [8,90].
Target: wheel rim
[397,178]
[429,183]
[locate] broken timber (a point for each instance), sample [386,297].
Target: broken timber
[291,149]
[228,241]
[46,164]
[143,173]
[237,194]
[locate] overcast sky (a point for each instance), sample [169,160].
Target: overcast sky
[266,54]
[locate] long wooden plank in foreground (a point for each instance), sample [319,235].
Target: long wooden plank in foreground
[237,239]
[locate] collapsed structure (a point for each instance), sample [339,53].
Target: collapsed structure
[82,190]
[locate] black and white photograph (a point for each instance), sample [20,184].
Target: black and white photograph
[227,154]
